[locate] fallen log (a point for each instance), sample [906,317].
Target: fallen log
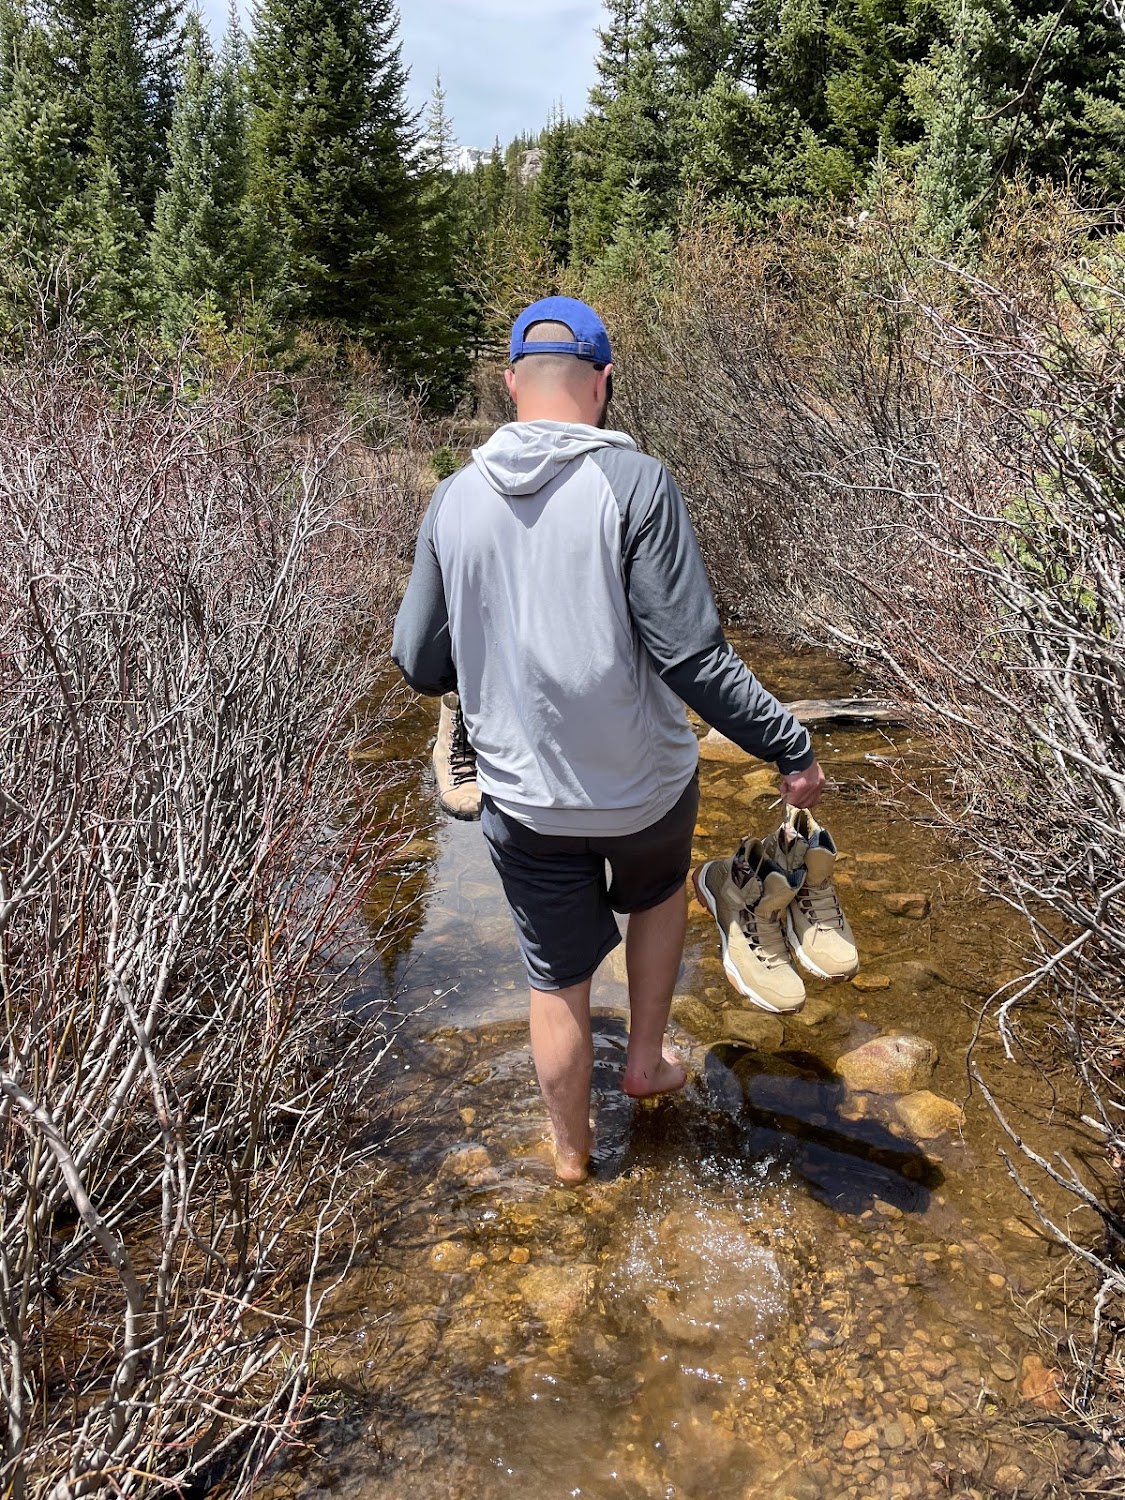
[845,711]
[813,713]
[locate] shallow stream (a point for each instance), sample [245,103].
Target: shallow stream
[772,1288]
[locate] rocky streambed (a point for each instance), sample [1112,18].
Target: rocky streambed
[810,1275]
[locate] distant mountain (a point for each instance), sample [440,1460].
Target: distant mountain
[468,158]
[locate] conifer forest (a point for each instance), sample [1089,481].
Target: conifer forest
[863,265]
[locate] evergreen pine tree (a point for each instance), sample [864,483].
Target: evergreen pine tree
[627,140]
[1055,75]
[955,173]
[39,171]
[549,220]
[330,141]
[120,60]
[203,255]
[436,349]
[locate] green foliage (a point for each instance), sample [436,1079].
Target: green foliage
[435,346]
[626,142]
[39,168]
[330,139]
[955,175]
[549,213]
[444,462]
[204,250]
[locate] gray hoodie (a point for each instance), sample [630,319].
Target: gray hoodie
[558,587]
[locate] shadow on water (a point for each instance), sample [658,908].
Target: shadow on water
[792,1107]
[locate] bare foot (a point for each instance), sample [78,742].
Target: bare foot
[668,1076]
[572,1167]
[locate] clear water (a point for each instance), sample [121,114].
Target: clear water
[769,1290]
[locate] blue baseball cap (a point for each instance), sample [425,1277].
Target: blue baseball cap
[590,342]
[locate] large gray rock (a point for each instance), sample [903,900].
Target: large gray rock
[889,1065]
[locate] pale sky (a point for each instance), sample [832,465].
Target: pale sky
[503,63]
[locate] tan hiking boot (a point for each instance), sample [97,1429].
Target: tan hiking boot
[455,765]
[818,931]
[748,897]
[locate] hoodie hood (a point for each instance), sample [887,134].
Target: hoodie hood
[521,457]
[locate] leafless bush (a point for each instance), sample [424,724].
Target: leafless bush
[926,468]
[188,590]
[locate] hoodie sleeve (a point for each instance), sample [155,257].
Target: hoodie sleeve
[673,608]
[421,647]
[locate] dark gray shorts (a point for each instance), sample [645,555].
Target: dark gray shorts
[560,898]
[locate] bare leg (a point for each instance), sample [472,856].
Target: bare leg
[654,946]
[563,1049]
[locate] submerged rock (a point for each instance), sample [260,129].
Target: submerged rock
[695,1016]
[889,1064]
[922,975]
[754,1028]
[557,1294]
[1040,1385]
[815,1010]
[469,1164]
[716,746]
[449,1255]
[927,1115]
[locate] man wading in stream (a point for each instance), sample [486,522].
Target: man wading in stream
[559,588]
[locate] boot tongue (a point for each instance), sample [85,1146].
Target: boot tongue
[820,860]
[794,849]
[741,871]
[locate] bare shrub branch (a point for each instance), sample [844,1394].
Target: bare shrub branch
[191,592]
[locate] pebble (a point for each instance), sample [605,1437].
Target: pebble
[449,1255]
[1040,1385]
[910,904]
[998,1281]
[1025,1231]
[866,982]
[520,1255]
[927,1115]
[1003,1370]
[856,1439]
[814,1011]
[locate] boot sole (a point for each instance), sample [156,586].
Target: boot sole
[462,817]
[807,963]
[729,969]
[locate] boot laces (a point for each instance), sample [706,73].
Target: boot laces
[462,760]
[822,905]
[766,936]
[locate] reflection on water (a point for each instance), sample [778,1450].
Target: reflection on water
[772,1288]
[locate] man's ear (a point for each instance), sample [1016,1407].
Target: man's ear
[510,382]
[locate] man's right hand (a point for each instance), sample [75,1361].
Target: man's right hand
[803,788]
